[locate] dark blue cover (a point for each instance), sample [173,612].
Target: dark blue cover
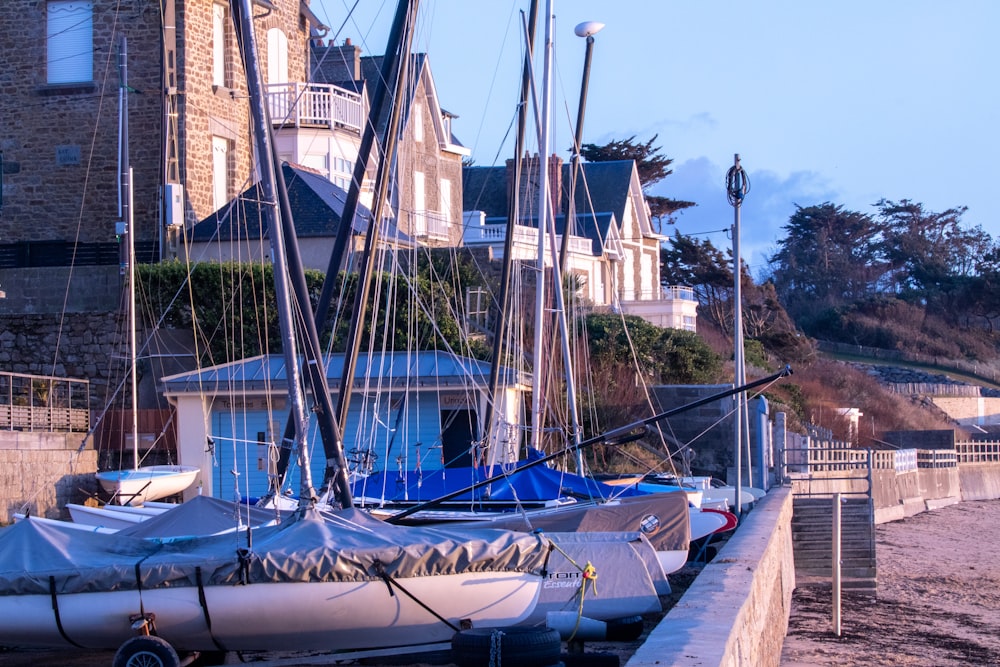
[536,484]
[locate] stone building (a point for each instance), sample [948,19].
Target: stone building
[612,249]
[67,68]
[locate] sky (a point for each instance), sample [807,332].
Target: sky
[847,102]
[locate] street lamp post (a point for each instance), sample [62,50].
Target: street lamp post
[586,29]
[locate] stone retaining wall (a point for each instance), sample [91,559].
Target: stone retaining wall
[736,612]
[41,472]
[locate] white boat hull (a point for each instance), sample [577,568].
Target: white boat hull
[276,616]
[102,518]
[139,485]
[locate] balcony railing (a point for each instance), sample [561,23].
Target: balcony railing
[429,224]
[523,234]
[314,105]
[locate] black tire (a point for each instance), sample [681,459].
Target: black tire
[519,647]
[625,629]
[146,651]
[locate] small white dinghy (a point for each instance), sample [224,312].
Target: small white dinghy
[136,486]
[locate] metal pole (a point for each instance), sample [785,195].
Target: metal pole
[737,187]
[836,563]
[584,29]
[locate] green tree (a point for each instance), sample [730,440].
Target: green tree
[665,356]
[830,256]
[651,165]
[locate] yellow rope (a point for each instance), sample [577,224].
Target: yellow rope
[589,576]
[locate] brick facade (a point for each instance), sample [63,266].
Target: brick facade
[60,142]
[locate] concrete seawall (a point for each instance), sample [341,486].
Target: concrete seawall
[979,481]
[736,612]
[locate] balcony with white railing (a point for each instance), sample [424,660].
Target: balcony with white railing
[672,307]
[525,240]
[426,224]
[297,104]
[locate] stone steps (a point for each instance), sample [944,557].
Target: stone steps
[812,541]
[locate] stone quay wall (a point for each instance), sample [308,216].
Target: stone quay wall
[42,471]
[904,482]
[736,612]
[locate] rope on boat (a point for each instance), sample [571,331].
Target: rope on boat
[589,573]
[55,609]
[390,582]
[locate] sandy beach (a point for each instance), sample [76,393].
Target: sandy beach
[938,600]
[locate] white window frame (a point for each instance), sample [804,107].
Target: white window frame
[69,41]
[419,204]
[219,43]
[277,56]
[445,204]
[418,122]
[220,172]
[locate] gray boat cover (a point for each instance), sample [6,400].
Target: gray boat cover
[203,515]
[663,518]
[343,546]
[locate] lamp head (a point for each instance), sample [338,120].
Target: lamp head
[588,28]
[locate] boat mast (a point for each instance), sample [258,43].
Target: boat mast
[242,17]
[344,233]
[382,178]
[127,252]
[543,217]
[501,303]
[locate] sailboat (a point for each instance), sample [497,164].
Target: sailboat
[138,484]
[334,581]
[531,496]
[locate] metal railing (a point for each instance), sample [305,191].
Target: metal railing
[43,403]
[429,224]
[816,470]
[315,105]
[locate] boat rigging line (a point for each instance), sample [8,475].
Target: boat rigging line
[618,436]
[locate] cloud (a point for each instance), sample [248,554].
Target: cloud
[765,211]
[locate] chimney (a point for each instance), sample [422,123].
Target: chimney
[336,64]
[530,181]
[555,183]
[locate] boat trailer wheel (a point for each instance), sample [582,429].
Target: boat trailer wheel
[146,651]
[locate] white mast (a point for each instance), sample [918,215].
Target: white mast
[128,260]
[543,217]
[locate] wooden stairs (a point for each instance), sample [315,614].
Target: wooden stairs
[812,541]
